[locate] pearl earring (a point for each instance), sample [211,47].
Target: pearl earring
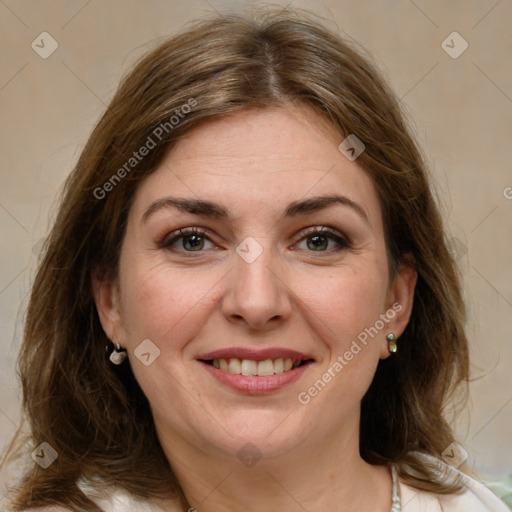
[391,342]
[117,356]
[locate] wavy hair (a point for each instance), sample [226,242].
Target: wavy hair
[95,415]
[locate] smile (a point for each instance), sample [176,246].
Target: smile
[255,372]
[260,368]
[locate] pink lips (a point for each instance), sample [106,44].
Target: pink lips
[255,385]
[254,354]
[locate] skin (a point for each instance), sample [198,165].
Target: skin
[293,296]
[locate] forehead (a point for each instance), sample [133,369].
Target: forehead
[260,158]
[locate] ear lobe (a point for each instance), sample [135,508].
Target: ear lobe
[105,298]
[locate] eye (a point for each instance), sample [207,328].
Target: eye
[317,240]
[192,240]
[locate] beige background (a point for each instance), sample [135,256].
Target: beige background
[461,109]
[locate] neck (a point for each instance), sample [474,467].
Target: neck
[310,477]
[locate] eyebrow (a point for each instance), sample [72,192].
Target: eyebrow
[213,210]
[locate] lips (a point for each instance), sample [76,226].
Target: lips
[253,371]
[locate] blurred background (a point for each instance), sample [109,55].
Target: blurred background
[450,63]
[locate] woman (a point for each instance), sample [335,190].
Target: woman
[246,301]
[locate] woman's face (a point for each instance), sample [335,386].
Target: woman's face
[256,287]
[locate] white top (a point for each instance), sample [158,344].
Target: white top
[475,497]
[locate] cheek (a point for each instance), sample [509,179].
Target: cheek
[348,309]
[345,302]
[358,306]
[164,304]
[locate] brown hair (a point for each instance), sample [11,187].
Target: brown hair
[95,415]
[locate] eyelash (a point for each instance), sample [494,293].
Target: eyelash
[343,243]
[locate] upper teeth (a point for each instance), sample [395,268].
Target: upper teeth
[260,368]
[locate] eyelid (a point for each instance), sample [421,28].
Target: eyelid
[341,239]
[170,238]
[328,231]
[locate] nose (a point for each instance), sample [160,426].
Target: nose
[257,294]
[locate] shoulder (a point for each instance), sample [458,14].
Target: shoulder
[116,499]
[475,496]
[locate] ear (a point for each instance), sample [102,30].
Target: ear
[399,301]
[106,297]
